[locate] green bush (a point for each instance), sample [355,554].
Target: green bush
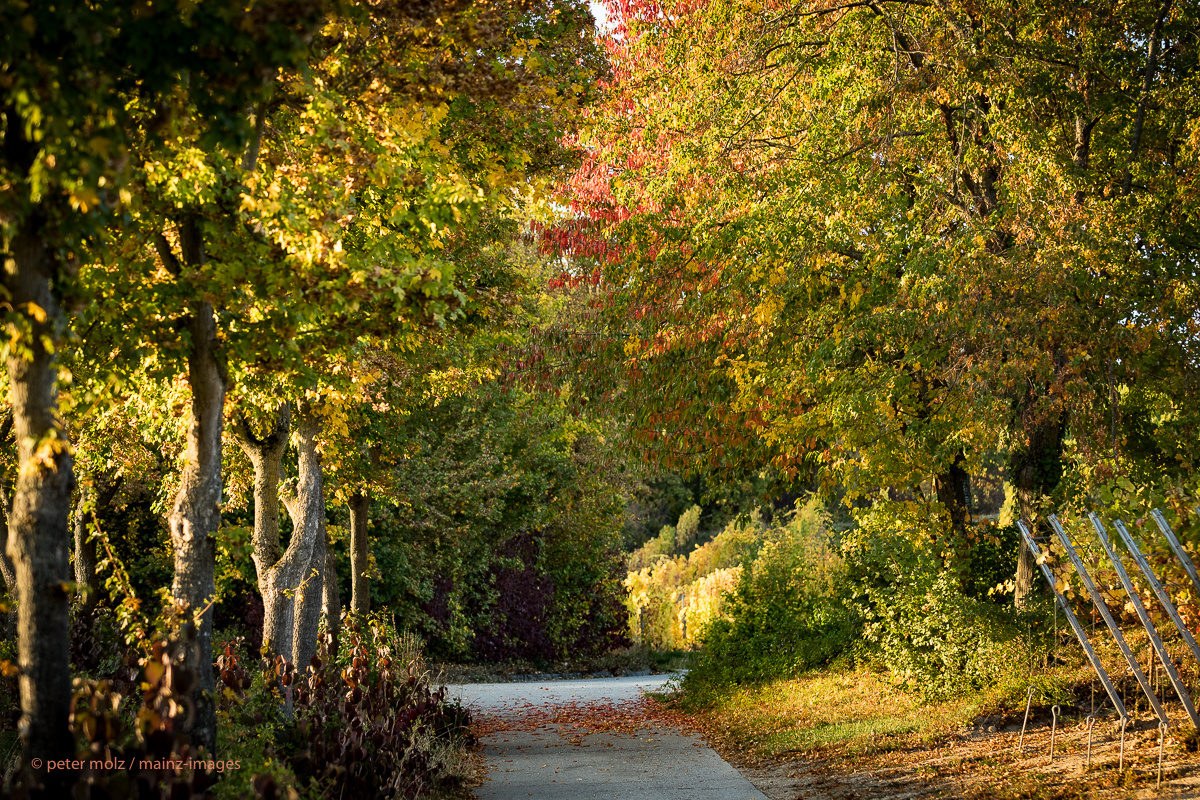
[788,613]
[923,609]
[933,636]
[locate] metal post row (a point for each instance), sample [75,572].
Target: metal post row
[1144,617]
[1113,695]
[1114,629]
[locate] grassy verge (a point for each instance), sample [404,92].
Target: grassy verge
[850,732]
[856,711]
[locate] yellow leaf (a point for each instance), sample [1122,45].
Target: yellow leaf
[36,311]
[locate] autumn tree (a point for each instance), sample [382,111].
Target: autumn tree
[324,229]
[69,75]
[887,236]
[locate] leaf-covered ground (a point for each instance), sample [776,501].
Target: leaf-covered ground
[852,735]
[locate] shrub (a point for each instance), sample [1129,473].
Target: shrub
[786,615]
[932,635]
[516,628]
[883,593]
[148,738]
[369,724]
[366,723]
[672,601]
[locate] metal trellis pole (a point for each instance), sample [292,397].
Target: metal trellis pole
[1144,616]
[1163,598]
[1177,549]
[1113,628]
[1113,695]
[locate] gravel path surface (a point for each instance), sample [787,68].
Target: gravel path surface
[530,756]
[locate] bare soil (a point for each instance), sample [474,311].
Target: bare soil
[983,763]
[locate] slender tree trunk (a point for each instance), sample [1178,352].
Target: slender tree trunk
[92,500]
[266,455]
[39,533]
[331,606]
[196,514]
[297,577]
[360,577]
[1083,148]
[7,571]
[953,489]
[85,549]
[1034,471]
[1135,139]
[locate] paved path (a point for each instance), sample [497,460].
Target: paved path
[558,762]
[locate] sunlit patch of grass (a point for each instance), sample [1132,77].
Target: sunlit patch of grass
[826,735]
[855,711]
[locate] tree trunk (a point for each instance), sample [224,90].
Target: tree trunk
[297,590]
[953,488]
[85,550]
[310,597]
[1083,148]
[87,510]
[331,607]
[1139,120]
[266,455]
[196,514]
[1035,469]
[39,521]
[360,578]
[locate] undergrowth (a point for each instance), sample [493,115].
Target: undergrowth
[362,720]
[911,607]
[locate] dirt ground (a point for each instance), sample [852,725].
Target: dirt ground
[983,763]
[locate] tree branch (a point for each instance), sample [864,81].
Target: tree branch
[163,248]
[1147,82]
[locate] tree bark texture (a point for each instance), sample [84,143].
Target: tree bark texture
[266,456]
[39,521]
[296,591]
[196,514]
[360,578]
[331,606]
[310,598]
[1034,471]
